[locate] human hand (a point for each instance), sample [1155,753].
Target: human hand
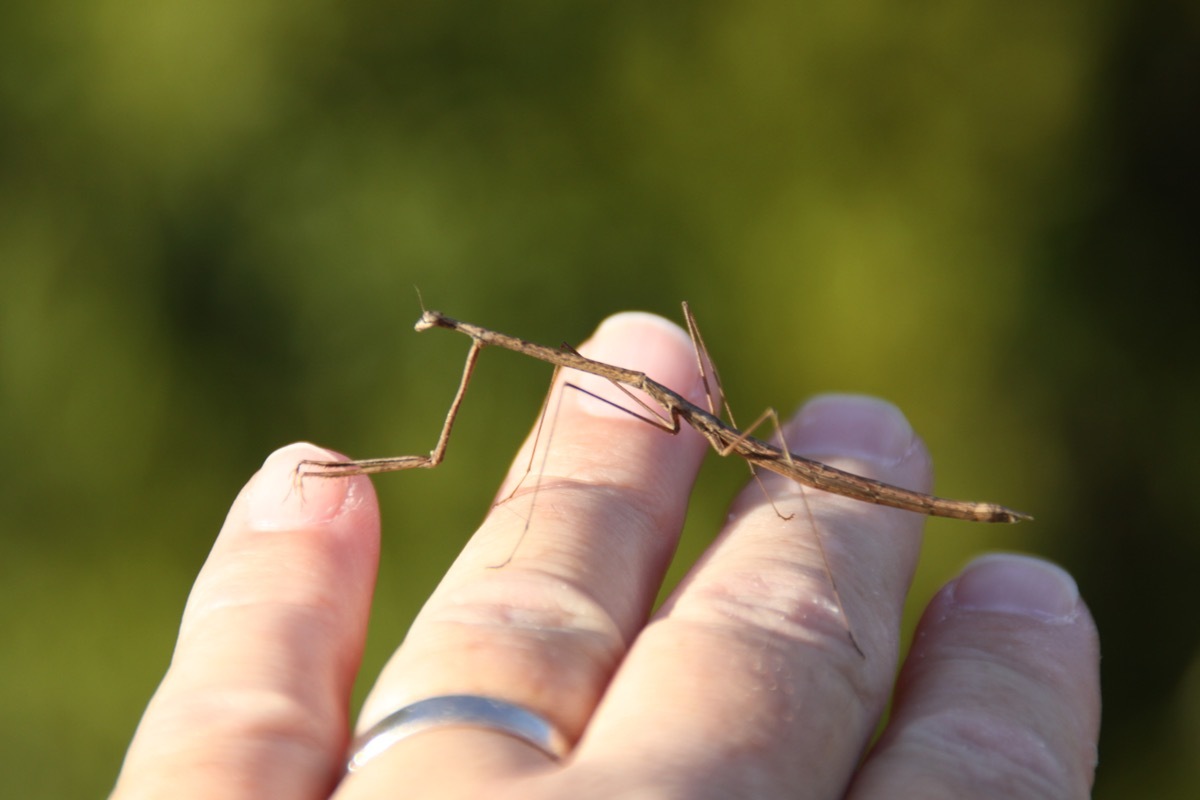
[744,683]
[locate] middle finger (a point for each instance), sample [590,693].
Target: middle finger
[747,681]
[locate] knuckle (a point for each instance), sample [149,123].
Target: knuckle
[996,755]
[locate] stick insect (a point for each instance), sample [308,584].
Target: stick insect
[674,411]
[724,437]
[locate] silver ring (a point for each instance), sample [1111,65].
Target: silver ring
[457,710]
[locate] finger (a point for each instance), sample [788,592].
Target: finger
[255,701]
[541,604]
[746,683]
[1000,695]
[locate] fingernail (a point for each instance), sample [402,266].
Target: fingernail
[1016,584]
[277,500]
[638,341]
[852,426]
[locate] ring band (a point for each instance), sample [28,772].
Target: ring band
[457,710]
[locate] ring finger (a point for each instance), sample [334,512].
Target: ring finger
[541,605]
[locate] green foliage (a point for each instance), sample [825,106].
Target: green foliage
[212,216]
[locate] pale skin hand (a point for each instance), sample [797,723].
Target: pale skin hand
[744,684]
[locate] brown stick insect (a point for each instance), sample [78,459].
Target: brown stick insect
[672,412]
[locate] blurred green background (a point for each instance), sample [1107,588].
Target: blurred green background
[212,216]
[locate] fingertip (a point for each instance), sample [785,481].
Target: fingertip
[1000,693]
[281,497]
[1016,584]
[324,531]
[644,342]
[639,319]
[269,644]
[854,426]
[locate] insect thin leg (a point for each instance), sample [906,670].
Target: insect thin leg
[342,469]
